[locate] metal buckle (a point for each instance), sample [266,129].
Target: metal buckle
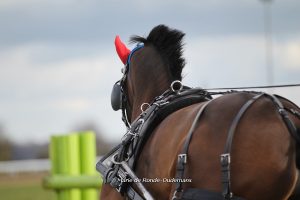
[282,111]
[121,176]
[182,157]
[225,159]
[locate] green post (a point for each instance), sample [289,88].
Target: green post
[58,151]
[88,152]
[73,160]
[73,173]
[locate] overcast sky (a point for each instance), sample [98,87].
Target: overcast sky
[58,62]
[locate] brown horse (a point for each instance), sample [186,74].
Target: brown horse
[263,153]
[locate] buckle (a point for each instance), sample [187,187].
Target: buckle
[120,182]
[182,158]
[282,111]
[225,159]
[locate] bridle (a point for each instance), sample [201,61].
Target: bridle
[119,95]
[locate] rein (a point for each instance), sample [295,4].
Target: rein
[254,87]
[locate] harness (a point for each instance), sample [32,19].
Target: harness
[117,167]
[225,158]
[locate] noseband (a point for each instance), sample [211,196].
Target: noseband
[119,97]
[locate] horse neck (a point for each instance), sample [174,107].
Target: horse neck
[151,78]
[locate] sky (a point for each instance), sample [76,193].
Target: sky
[58,62]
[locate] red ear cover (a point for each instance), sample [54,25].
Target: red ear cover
[122,50]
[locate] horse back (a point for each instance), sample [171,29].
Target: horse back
[262,151]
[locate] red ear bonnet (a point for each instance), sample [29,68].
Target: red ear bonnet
[122,50]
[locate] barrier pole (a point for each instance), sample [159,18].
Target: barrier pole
[88,155]
[58,152]
[73,160]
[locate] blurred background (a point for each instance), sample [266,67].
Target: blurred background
[58,64]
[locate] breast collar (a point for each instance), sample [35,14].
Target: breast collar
[128,151]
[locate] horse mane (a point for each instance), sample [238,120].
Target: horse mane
[168,42]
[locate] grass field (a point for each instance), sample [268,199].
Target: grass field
[24,187]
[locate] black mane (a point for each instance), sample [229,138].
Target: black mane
[168,43]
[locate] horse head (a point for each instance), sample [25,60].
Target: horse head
[149,69]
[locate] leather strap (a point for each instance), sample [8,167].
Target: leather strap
[288,122]
[133,195]
[182,158]
[225,157]
[235,122]
[140,186]
[164,109]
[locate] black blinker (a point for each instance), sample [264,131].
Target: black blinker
[116,97]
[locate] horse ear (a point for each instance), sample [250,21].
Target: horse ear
[122,50]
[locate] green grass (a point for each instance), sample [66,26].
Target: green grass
[26,192]
[24,186]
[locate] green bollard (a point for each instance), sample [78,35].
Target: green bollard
[73,173]
[58,152]
[88,155]
[73,161]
